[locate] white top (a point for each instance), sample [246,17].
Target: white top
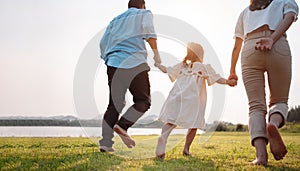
[272,15]
[185,105]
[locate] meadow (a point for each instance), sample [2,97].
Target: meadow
[219,151]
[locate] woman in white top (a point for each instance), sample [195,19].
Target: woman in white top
[262,27]
[185,105]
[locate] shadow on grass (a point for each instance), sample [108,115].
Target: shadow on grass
[85,161]
[281,168]
[185,163]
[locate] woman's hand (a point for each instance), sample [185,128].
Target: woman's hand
[231,82]
[233,76]
[264,44]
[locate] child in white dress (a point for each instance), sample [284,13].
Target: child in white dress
[185,105]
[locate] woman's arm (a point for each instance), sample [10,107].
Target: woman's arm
[284,25]
[234,57]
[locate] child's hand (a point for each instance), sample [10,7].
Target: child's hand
[232,82]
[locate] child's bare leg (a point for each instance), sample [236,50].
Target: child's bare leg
[277,145]
[261,152]
[188,141]
[162,140]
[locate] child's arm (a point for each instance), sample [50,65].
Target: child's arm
[161,67]
[231,82]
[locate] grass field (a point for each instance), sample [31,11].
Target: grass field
[221,151]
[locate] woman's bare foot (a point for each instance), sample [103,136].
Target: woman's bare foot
[261,152]
[277,146]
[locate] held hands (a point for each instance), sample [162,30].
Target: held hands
[160,67]
[231,82]
[232,79]
[156,64]
[264,44]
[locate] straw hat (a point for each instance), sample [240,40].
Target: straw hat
[197,49]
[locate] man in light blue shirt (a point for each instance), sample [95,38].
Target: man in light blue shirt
[123,50]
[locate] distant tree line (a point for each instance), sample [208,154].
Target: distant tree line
[74,123]
[294,114]
[229,127]
[26,122]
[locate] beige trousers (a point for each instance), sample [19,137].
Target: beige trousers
[277,64]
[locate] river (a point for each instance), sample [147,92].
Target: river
[55,131]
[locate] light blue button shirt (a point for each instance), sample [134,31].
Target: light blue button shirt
[123,43]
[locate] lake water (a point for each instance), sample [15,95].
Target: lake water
[40,131]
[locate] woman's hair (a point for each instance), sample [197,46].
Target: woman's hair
[194,53]
[136,4]
[259,4]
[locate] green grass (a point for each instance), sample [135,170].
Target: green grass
[291,127]
[221,151]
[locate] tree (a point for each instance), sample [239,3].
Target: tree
[222,127]
[294,114]
[240,128]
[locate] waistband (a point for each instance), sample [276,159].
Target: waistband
[260,34]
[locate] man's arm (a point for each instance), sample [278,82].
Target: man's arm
[153,44]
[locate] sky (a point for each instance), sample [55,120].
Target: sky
[42,42]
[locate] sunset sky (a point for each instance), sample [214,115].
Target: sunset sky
[41,43]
